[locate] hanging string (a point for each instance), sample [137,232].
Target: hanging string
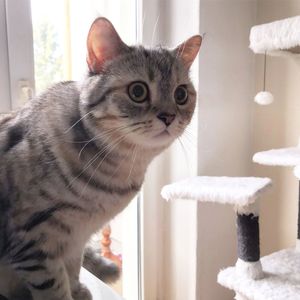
[264,97]
[265,70]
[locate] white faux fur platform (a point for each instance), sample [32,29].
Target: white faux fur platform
[286,157]
[239,191]
[281,282]
[276,36]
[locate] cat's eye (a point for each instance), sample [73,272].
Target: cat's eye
[138,91]
[181,95]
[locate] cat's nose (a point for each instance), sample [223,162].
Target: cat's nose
[167,118]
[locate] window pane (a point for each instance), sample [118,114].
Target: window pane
[48,20]
[60,29]
[4,70]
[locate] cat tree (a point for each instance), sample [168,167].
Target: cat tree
[276,276]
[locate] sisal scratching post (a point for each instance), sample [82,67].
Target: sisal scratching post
[241,192]
[248,243]
[248,237]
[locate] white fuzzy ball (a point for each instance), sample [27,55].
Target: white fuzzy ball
[297,174]
[264,98]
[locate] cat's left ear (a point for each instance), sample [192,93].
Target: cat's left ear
[188,50]
[103,45]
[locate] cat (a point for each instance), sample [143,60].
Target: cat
[75,156]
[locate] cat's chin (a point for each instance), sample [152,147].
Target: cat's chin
[155,141]
[162,139]
[163,135]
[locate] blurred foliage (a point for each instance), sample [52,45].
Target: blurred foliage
[48,55]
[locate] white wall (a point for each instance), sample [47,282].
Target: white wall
[278,126]
[226,89]
[232,128]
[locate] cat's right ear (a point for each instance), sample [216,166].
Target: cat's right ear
[103,44]
[188,50]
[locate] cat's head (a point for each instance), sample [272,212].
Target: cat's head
[143,95]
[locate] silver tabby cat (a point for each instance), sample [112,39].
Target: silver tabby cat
[76,155]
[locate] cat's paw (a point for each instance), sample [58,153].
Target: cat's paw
[103,268]
[82,293]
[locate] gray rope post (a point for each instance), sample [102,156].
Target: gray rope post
[248,237]
[248,243]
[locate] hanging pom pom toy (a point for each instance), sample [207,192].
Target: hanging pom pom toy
[264,97]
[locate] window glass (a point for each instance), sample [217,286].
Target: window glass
[48,19]
[60,30]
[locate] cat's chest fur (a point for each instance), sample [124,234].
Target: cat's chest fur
[108,195]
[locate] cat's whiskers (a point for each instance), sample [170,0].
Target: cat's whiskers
[184,132]
[188,130]
[147,126]
[122,162]
[184,153]
[119,141]
[89,163]
[108,136]
[190,134]
[90,140]
[72,126]
[96,156]
[154,30]
[181,51]
[133,161]
[191,148]
[106,133]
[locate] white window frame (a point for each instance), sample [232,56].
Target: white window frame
[5,97]
[17,55]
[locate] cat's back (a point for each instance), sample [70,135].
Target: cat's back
[4,118]
[9,133]
[39,121]
[49,108]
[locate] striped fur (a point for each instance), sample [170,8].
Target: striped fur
[72,159]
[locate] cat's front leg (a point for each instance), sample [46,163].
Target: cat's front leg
[47,280]
[79,290]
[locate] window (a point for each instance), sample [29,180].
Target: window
[43,42]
